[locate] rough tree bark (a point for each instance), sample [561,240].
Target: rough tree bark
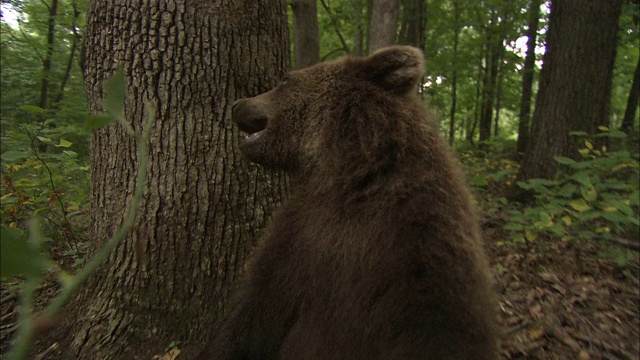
[47,61]
[527,76]
[383,24]
[204,205]
[306,41]
[575,81]
[632,102]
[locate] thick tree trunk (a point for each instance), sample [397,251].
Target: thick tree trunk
[527,76]
[204,205]
[383,24]
[632,102]
[575,81]
[306,41]
[48,57]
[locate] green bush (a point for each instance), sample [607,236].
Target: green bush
[595,198]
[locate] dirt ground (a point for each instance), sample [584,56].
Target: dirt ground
[565,301]
[557,301]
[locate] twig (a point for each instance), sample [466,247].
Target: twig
[53,185]
[335,26]
[143,155]
[26,321]
[332,52]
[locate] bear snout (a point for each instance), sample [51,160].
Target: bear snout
[250,119]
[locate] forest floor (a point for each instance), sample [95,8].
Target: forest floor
[565,301]
[557,301]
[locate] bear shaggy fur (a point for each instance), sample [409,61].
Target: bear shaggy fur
[377,254]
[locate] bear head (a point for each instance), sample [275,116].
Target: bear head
[340,115]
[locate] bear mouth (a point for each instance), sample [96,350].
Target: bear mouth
[252,127]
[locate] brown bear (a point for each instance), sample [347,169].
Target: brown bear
[377,253]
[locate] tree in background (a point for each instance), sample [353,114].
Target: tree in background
[169,279]
[413,23]
[383,24]
[632,102]
[575,81]
[306,41]
[454,75]
[527,76]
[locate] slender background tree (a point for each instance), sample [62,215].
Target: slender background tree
[527,76]
[306,43]
[383,24]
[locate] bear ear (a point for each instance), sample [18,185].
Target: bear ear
[397,68]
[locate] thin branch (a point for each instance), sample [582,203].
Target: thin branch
[29,41]
[331,53]
[27,321]
[46,5]
[335,26]
[53,185]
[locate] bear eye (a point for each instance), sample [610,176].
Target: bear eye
[285,80]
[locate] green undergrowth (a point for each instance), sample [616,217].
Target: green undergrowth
[45,173]
[594,198]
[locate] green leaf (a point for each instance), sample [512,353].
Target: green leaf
[115,91]
[502,173]
[616,217]
[580,205]
[479,181]
[32,109]
[617,134]
[578,133]
[17,255]
[564,160]
[568,190]
[13,156]
[623,257]
[98,121]
[586,235]
[581,177]
[64,143]
[589,215]
[44,139]
[70,153]
[513,227]
[545,219]
[603,128]
[589,192]
[611,205]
